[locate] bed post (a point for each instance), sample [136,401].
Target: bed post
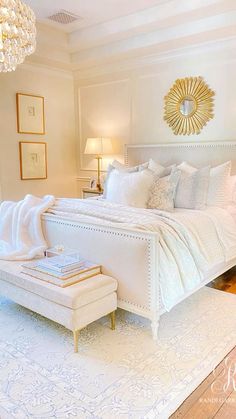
[154,285]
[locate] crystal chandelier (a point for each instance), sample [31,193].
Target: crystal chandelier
[17,33]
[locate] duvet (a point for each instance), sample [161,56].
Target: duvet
[190,242]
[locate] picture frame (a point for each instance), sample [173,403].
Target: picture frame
[30,114]
[33,160]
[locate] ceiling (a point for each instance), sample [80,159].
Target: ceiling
[91,11]
[113,32]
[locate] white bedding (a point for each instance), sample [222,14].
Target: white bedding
[191,242]
[232,210]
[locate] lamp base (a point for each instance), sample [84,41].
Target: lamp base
[99,187]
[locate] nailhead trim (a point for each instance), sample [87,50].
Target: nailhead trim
[116,233]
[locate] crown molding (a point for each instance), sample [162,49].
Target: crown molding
[202,30]
[46,69]
[223,46]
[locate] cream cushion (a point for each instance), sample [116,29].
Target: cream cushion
[219,190]
[120,167]
[160,170]
[131,189]
[192,188]
[232,189]
[162,192]
[73,297]
[218,193]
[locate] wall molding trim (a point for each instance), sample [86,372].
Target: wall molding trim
[83,178]
[136,63]
[46,69]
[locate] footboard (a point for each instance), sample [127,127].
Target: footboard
[129,256]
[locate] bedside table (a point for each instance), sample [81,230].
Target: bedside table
[88,193]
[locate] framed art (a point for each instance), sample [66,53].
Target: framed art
[33,160]
[30,114]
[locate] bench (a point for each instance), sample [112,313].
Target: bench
[74,307]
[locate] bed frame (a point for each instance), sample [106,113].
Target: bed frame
[132,256]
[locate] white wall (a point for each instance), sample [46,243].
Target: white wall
[58,91]
[129,105]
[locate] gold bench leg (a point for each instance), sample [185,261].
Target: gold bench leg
[113,320]
[76,338]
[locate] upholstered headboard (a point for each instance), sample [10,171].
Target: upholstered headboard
[197,154]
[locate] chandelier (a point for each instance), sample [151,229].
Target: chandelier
[17,33]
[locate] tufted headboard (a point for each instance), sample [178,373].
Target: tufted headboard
[197,154]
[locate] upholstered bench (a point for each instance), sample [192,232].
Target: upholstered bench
[74,307]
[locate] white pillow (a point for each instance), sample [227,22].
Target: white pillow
[155,167]
[218,191]
[192,188]
[232,189]
[130,189]
[162,192]
[121,167]
[187,168]
[158,169]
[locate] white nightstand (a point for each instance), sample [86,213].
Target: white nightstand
[88,193]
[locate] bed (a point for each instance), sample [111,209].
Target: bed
[133,255]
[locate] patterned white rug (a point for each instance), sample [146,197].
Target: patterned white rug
[117,374]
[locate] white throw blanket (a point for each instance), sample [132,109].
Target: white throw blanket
[21,235]
[191,242]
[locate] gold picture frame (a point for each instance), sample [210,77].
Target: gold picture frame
[189,106]
[30,114]
[33,160]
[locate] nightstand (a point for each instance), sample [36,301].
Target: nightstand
[88,193]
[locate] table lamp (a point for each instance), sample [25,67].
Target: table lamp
[98,147]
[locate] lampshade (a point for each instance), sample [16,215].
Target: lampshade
[98,146]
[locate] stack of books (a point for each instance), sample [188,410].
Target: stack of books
[61,270]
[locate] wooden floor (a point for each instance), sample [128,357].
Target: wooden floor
[209,400]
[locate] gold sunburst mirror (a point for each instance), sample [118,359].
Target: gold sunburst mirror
[189,106]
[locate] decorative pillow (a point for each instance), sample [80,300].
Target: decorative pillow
[130,189]
[218,193]
[162,192]
[232,189]
[158,169]
[121,167]
[187,168]
[155,167]
[192,188]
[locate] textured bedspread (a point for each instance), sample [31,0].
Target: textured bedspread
[191,242]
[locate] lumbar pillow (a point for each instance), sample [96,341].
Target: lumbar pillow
[192,188]
[162,192]
[130,189]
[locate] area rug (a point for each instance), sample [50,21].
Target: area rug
[116,374]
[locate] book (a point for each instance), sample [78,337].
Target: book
[60,275]
[62,263]
[89,270]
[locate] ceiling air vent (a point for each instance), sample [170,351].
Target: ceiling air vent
[64,18]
